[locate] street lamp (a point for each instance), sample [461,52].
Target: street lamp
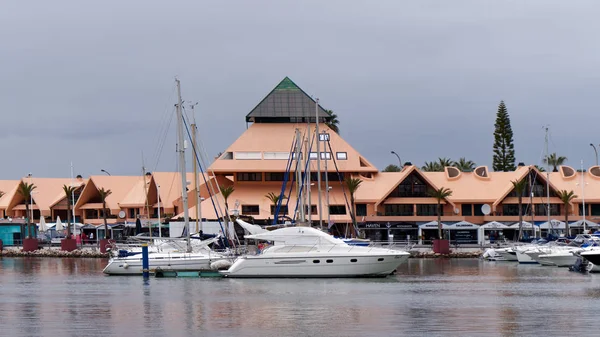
[105,171]
[595,151]
[399,161]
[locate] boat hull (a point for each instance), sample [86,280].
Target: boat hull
[308,267]
[132,265]
[507,255]
[524,258]
[592,256]
[559,260]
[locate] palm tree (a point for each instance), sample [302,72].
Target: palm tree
[443,162]
[520,188]
[1,194]
[555,161]
[103,195]
[226,192]
[439,195]
[432,167]
[274,199]
[353,184]
[69,193]
[333,122]
[464,165]
[566,198]
[25,190]
[392,168]
[539,168]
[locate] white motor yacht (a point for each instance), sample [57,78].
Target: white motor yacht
[508,254]
[309,252]
[560,258]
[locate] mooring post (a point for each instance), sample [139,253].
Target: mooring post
[145,262]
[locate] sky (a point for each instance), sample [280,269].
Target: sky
[92,83]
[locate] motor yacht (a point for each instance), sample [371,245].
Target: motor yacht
[309,252]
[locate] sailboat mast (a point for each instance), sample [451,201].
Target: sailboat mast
[318,139]
[72,199]
[181,150]
[308,148]
[326,179]
[583,196]
[299,180]
[195,156]
[548,182]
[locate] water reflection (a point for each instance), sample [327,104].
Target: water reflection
[432,297]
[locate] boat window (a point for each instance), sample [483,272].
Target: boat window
[380,259]
[329,261]
[353,260]
[316,261]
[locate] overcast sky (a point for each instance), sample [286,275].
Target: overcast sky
[93,82]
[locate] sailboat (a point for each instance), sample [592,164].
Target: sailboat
[168,256]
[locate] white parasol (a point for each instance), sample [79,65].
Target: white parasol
[42,225]
[59,225]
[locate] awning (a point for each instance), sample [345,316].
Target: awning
[493,225]
[463,225]
[432,225]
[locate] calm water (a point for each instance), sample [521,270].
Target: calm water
[71,297]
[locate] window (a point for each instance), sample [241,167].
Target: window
[427,209]
[294,156]
[337,209]
[132,213]
[329,261]
[323,137]
[91,214]
[313,209]
[477,208]
[353,260]
[227,155]
[313,155]
[380,259]
[399,210]
[411,187]
[325,155]
[283,210]
[248,155]
[101,213]
[540,209]
[316,261]
[467,209]
[334,176]
[249,176]
[341,155]
[250,210]
[276,155]
[595,209]
[274,176]
[361,209]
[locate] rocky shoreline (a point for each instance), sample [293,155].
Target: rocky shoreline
[85,253]
[452,255]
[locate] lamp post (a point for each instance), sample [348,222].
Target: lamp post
[30,199]
[399,161]
[596,152]
[105,171]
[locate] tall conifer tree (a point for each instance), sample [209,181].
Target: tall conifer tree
[504,150]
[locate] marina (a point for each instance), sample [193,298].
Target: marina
[425,297]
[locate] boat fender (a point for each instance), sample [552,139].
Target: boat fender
[125,265]
[220,265]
